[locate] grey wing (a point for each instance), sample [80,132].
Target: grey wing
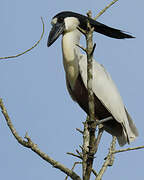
[105,89]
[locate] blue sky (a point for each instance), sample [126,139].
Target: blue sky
[34,91]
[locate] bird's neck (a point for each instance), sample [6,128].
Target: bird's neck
[71,55]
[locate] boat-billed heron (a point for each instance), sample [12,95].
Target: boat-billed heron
[107,100]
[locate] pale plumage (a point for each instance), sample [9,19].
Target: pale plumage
[107,98]
[106,91]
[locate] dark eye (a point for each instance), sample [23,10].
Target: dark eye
[60,19]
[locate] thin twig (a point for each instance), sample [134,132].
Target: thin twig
[107,161]
[81,147]
[9,57]
[128,149]
[81,30]
[30,144]
[108,6]
[79,130]
[75,155]
[80,157]
[104,120]
[81,47]
[79,153]
[94,172]
[73,168]
[113,149]
[100,132]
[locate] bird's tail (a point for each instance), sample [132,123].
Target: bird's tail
[133,130]
[129,133]
[124,133]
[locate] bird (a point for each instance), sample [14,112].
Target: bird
[107,100]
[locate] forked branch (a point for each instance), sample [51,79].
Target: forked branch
[30,144]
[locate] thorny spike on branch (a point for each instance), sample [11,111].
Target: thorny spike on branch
[9,57]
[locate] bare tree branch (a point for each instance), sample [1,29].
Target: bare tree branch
[30,144]
[128,149]
[73,168]
[107,161]
[111,161]
[80,157]
[75,155]
[90,124]
[79,153]
[8,57]
[102,11]
[81,47]
[90,142]
[94,172]
[100,132]
[85,147]
[81,30]
[79,130]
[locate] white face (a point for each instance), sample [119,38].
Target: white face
[54,21]
[71,23]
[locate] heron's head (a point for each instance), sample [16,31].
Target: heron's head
[67,21]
